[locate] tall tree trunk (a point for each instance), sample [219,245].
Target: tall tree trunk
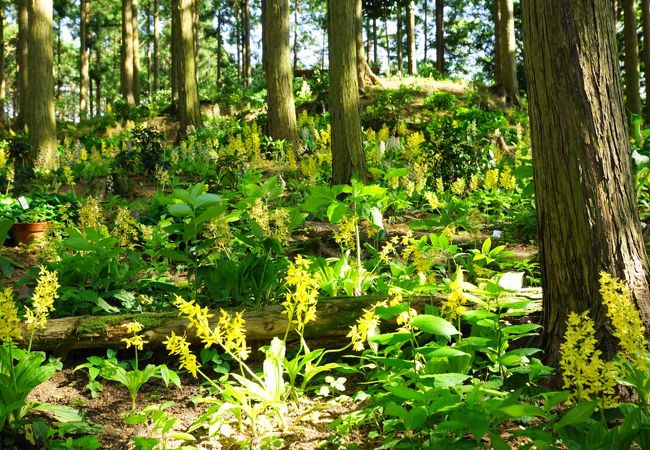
[426,28]
[3,84]
[156,46]
[246,45]
[375,42]
[440,36]
[399,41]
[238,33]
[188,94]
[175,58]
[410,38]
[632,83]
[40,114]
[98,79]
[296,44]
[498,79]
[147,52]
[219,46]
[281,120]
[508,50]
[84,60]
[127,79]
[586,204]
[365,77]
[22,61]
[645,15]
[196,26]
[59,71]
[347,149]
[136,51]
[387,39]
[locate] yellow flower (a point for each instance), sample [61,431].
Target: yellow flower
[491,181]
[126,228]
[453,306]
[259,212]
[386,251]
[507,180]
[133,327]
[440,186]
[625,318]
[178,346]
[474,182]
[432,200]
[384,133]
[197,317]
[300,305]
[9,321]
[232,334]
[414,141]
[345,235]
[90,215]
[583,370]
[458,187]
[43,299]
[401,129]
[83,154]
[68,176]
[367,326]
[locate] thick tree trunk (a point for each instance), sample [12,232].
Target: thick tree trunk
[127,78]
[281,119]
[410,38]
[22,61]
[156,46]
[632,83]
[645,15]
[347,148]
[586,204]
[507,51]
[188,95]
[440,36]
[40,114]
[84,60]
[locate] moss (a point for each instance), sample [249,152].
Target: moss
[90,326]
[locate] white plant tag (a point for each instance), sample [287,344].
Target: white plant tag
[23,202]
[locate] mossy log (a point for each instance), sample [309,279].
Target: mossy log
[335,316]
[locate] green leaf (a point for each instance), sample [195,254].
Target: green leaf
[521,329]
[390,338]
[580,413]
[336,211]
[388,312]
[405,393]
[522,410]
[397,172]
[377,217]
[435,325]
[393,409]
[448,380]
[179,210]
[416,418]
[178,435]
[485,249]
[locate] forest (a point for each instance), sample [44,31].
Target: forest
[341,224]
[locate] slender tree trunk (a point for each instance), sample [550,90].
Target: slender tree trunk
[156,46]
[246,46]
[400,41]
[410,38]
[426,28]
[375,42]
[498,79]
[387,38]
[240,72]
[368,48]
[175,55]
[632,83]
[440,36]
[40,114]
[586,204]
[508,51]
[59,74]
[347,149]
[98,80]
[645,15]
[127,79]
[188,95]
[281,120]
[84,60]
[136,52]
[219,46]
[3,84]
[22,61]
[91,101]
[147,52]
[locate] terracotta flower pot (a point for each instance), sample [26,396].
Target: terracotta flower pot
[26,233]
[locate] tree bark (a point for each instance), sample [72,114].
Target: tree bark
[507,51]
[375,42]
[645,15]
[281,118]
[127,78]
[296,45]
[365,77]
[84,60]
[136,51]
[440,36]
[632,83]
[425,5]
[22,61]
[347,149]
[156,46]
[410,38]
[219,46]
[586,204]
[399,42]
[40,114]
[498,78]
[246,45]
[3,84]
[98,80]
[188,95]
[387,39]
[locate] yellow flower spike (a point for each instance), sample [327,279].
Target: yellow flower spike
[491,180]
[43,299]
[9,321]
[300,305]
[133,327]
[178,346]
[453,306]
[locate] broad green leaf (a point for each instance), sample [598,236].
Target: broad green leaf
[390,338]
[179,210]
[405,393]
[388,312]
[435,325]
[336,211]
[522,410]
[377,217]
[416,418]
[580,413]
[521,329]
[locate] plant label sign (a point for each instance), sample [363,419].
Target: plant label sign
[23,202]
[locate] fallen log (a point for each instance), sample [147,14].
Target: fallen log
[335,316]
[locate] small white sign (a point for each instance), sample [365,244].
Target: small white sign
[496,234]
[23,202]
